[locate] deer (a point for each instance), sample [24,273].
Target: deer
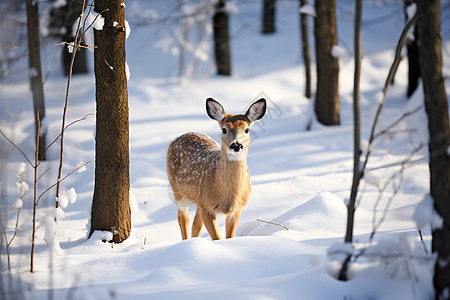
[213,177]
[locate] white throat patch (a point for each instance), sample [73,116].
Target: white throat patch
[235,156]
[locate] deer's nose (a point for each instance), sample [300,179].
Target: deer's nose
[236,147]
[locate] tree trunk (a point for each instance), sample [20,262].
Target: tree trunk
[34,59]
[221,39]
[62,19]
[305,50]
[413,57]
[327,97]
[343,274]
[268,17]
[80,62]
[428,24]
[110,207]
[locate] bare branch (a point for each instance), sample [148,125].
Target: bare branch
[259,220]
[17,147]
[423,243]
[7,246]
[72,123]
[396,122]
[62,179]
[398,174]
[393,69]
[72,44]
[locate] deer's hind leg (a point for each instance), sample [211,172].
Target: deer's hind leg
[183,217]
[197,224]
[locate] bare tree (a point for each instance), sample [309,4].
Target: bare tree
[221,39]
[305,50]
[34,59]
[110,206]
[356,124]
[268,16]
[436,105]
[358,171]
[327,92]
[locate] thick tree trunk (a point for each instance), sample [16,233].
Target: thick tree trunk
[305,50]
[268,17]
[221,39]
[110,207]
[34,59]
[327,97]
[428,24]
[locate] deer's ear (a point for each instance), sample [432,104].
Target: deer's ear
[257,110]
[214,109]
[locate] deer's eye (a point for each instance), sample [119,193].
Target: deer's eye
[247,130]
[224,130]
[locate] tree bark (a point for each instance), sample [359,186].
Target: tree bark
[305,50]
[34,60]
[110,207]
[327,92]
[430,56]
[268,17]
[221,39]
[413,57]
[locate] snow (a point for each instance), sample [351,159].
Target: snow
[127,29]
[70,47]
[338,52]
[67,197]
[308,9]
[18,203]
[97,21]
[81,167]
[425,215]
[301,173]
[33,72]
[127,71]
[21,170]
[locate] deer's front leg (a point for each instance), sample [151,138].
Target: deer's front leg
[209,219]
[197,224]
[231,224]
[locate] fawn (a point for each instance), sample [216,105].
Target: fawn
[214,177]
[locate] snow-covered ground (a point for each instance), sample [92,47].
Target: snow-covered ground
[301,173]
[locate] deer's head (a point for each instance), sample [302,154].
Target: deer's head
[235,128]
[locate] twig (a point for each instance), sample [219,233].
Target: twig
[71,44]
[77,43]
[65,128]
[392,71]
[399,174]
[49,145]
[397,163]
[36,159]
[7,246]
[62,179]
[273,223]
[402,117]
[17,147]
[423,243]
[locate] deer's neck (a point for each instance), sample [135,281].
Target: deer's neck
[231,175]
